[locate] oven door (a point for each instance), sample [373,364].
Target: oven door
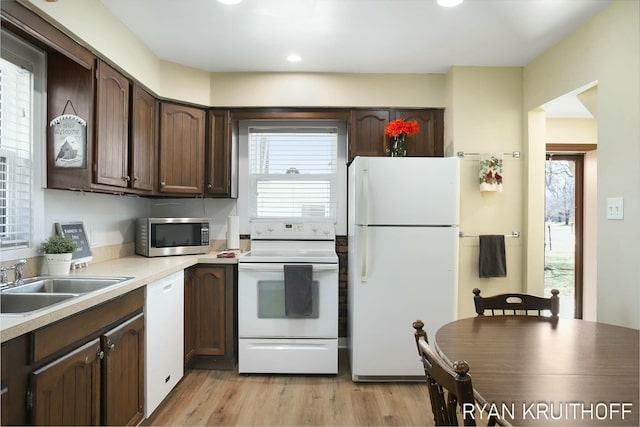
[261,297]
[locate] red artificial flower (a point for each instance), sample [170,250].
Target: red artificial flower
[398,127]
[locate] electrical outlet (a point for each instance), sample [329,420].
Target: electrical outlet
[615,208]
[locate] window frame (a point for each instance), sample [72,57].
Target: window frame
[243,202]
[25,55]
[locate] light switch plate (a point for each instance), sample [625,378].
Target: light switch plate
[615,208]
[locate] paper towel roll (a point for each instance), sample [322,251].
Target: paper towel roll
[233,232]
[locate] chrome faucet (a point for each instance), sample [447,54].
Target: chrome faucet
[17,269]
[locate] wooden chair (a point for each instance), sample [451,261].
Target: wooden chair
[517,303]
[441,378]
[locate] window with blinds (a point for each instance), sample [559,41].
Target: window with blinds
[16,86]
[292,172]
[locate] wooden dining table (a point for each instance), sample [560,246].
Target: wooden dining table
[533,370]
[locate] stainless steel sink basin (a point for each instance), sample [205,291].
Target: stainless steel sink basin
[40,292]
[27,303]
[65,285]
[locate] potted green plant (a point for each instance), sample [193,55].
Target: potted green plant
[57,252]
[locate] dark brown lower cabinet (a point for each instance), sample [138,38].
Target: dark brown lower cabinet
[86,369]
[67,390]
[100,383]
[210,317]
[123,373]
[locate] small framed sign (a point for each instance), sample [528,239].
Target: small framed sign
[75,231]
[69,140]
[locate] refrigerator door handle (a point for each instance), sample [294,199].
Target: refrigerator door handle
[365,219]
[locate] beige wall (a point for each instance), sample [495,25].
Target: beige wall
[572,131]
[327,90]
[604,50]
[486,116]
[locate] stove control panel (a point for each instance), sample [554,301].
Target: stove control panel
[319,230]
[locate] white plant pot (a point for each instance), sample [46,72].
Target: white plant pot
[58,264]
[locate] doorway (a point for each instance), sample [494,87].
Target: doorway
[563,252]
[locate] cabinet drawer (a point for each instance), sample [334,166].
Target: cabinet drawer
[84,325]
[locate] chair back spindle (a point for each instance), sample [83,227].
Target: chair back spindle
[449,386]
[514,303]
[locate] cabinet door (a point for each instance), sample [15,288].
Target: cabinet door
[123,383]
[218,182]
[143,140]
[366,135]
[211,310]
[181,149]
[429,142]
[213,298]
[67,391]
[112,119]
[189,315]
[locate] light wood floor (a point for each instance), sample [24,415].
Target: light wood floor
[217,398]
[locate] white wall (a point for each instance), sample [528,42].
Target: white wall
[604,50]
[217,210]
[108,219]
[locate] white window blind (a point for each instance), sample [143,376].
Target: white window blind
[16,97]
[292,172]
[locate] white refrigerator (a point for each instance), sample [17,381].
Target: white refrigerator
[403,216]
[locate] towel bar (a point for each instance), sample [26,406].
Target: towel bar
[515,234]
[514,154]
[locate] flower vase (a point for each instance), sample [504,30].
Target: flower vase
[398,148]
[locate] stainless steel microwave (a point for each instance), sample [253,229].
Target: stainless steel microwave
[172,236]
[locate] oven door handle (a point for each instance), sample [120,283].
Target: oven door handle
[280,267]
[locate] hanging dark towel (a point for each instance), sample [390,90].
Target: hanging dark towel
[297,290]
[493,260]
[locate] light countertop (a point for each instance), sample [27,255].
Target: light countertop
[142,270]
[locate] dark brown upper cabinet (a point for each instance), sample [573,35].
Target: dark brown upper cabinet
[144,141]
[367,137]
[429,142]
[366,133]
[181,163]
[219,155]
[112,127]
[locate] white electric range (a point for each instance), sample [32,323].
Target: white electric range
[274,335]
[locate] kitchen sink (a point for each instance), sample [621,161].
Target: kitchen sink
[40,292]
[27,303]
[64,285]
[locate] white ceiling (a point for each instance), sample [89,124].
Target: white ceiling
[351,36]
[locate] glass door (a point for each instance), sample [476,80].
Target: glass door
[563,231]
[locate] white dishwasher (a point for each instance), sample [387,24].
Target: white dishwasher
[164,338]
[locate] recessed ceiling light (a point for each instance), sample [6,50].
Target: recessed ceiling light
[229,1]
[449,3]
[294,58]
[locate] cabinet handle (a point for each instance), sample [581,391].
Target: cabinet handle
[135,178]
[163,184]
[99,355]
[111,347]
[209,186]
[127,178]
